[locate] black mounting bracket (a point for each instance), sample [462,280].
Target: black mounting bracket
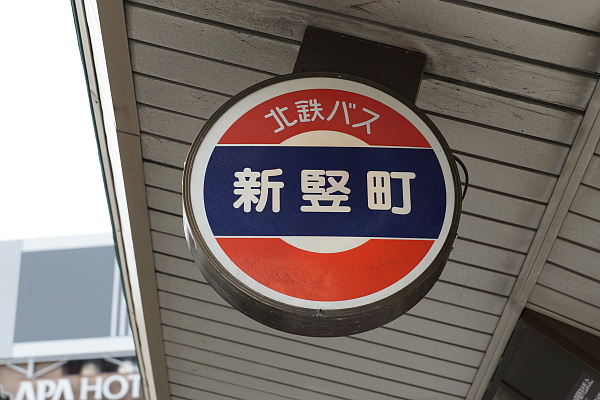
[397,69]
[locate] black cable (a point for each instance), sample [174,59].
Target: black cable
[464,168]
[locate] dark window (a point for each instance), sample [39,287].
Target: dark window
[65,294]
[547,360]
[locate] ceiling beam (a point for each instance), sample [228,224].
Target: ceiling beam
[104,42]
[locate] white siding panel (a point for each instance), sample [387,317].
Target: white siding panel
[404,356]
[496,233]
[164,200]
[460,336]
[163,177]
[193,297]
[169,244]
[570,284]
[185,269]
[576,258]
[188,393]
[501,146]
[177,97]
[478,278]
[479,28]
[286,352]
[444,58]
[512,210]
[212,41]
[581,230]
[492,258]
[161,122]
[434,348]
[467,297]
[490,109]
[191,70]
[587,202]
[228,388]
[173,397]
[444,333]
[584,15]
[241,372]
[320,378]
[166,223]
[592,173]
[407,323]
[164,151]
[411,348]
[435,96]
[453,315]
[508,179]
[566,306]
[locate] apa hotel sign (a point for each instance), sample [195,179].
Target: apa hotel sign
[320,204]
[99,387]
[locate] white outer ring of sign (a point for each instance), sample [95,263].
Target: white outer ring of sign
[261,95]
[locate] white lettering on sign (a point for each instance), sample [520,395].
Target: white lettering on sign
[26,391]
[583,389]
[279,116]
[249,187]
[113,387]
[86,387]
[379,190]
[324,195]
[345,107]
[309,110]
[135,385]
[313,185]
[123,386]
[45,389]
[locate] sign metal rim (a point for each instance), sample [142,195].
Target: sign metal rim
[272,312]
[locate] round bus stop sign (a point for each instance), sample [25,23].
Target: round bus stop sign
[320,204]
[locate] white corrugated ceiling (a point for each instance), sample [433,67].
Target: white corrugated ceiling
[513,89]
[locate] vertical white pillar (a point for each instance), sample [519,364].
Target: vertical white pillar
[10,267]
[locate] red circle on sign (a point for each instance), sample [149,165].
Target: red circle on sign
[389,129]
[326,277]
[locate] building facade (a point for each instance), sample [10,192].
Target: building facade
[65,327]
